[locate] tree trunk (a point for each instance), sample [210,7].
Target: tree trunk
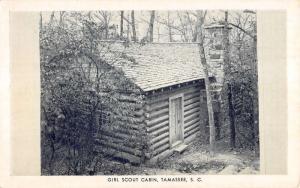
[133,26]
[51,140]
[217,125]
[192,25]
[158,34]
[51,161]
[151,25]
[128,28]
[61,17]
[226,43]
[209,101]
[121,23]
[212,134]
[231,117]
[169,28]
[232,128]
[106,28]
[51,19]
[41,21]
[194,37]
[255,98]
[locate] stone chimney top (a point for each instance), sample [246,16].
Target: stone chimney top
[214,34]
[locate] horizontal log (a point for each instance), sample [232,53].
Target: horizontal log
[127,143]
[158,99]
[131,120]
[139,105]
[129,98]
[118,124]
[107,141]
[186,108]
[158,138]
[192,111]
[159,131]
[191,117]
[196,93]
[157,120]
[139,112]
[121,113]
[131,105]
[191,127]
[160,143]
[190,138]
[128,101]
[131,158]
[166,95]
[191,101]
[191,122]
[115,153]
[161,149]
[158,126]
[126,129]
[160,156]
[159,105]
[154,114]
[193,90]
[130,135]
[193,131]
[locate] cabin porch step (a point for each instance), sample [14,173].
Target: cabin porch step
[180,148]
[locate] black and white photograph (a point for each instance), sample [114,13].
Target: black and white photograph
[149,92]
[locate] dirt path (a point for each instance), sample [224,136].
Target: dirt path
[196,160]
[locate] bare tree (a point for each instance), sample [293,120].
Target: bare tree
[61,17]
[200,21]
[185,26]
[128,27]
[133,26]
[51,18]
[41,21]
[193,26]
[243,32]
[169,27]
[242,103]
[104,17]
[229,86]
[151,25]
[121,23]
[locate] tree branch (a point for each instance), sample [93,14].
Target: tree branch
[246,32]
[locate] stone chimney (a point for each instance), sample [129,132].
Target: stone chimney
[214,34]
[214,50]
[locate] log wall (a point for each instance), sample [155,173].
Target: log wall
[157,123]
[123,136]
[150,124]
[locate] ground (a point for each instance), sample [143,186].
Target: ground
[195,160]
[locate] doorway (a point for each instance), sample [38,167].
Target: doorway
[176,120]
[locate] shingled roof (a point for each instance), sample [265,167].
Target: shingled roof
[158,65]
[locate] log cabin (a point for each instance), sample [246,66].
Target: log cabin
[171,110]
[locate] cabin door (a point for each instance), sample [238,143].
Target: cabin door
[176,120]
